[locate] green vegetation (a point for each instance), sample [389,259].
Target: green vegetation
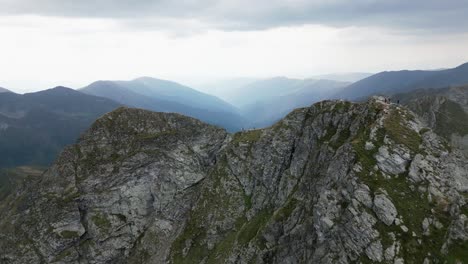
[215,205]
[412,206]
[62,255]
[12,177]
[101,221]
[241,235]
[67,234]
[252,227]
[335,136]
[223,248]
[195,232]
[366,157]
[342,138]
[384,232]
[365,260]
[280,125]
[70,197]
[424,130]
[249,136]
[458,252]
[331,131]
[193,236]
[92,158]
[121,217]
[248,201]
[115,157]
[284,212]
[154,136]
[399,131]
[341,106]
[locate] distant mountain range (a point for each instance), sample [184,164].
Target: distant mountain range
[35,127]
[166,96]
[226,89]
[3,90]
[263,102]
[388,83]
[232,90]
[344,77]
[260,90]
[287,95]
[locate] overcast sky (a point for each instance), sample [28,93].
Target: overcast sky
[45,43]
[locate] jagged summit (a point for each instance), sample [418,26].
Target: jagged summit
[135,122]
[337,182]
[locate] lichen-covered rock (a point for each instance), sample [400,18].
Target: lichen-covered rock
[391,163]
[374,251]
[333,183]
[384,209]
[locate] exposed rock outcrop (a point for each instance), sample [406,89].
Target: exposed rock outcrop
[443,110]
[333,183]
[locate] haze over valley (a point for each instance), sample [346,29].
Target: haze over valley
[54,118]
[203,132]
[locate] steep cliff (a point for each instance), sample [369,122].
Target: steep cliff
[333,183]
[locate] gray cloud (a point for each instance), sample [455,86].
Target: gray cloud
[419,15]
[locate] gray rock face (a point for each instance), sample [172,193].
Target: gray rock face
[327,184]
[384,209]
[445,111]
[390,163]
[131,179]
[374,251]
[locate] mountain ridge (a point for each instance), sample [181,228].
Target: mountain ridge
[4,90]
[34,127]
[393,82]
[167,96]
[445,110]
[267,111]
[337,182]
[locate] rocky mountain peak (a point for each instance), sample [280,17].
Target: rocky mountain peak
[337,182]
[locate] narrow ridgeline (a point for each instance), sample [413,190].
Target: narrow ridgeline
[336,182]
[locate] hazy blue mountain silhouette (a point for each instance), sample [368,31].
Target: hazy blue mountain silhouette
[394,82]
[35,127]
[266,110]
[166,96]
[3,90]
